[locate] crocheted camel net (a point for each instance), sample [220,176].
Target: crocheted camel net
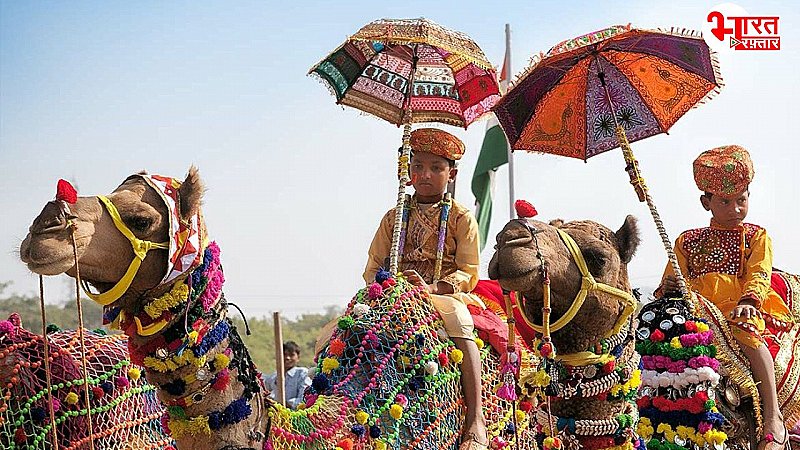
[125,412]
[390,379]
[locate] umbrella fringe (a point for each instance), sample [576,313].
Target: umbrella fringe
[720,83]
[324,82]
[314,67]
[533,61]
[681,32]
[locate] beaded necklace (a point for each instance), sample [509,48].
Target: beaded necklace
[445,203]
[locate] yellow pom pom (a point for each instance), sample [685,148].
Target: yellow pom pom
[71,398]
[675,342]
[221,361]
[456,356]
[362,417]
[405,360]
[134,373]
[380,445]
[701,327]
[479,343]
[329,364]
[193,337]
[396,411]
[520,415]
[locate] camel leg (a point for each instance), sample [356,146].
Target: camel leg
[763,368]
[474,423]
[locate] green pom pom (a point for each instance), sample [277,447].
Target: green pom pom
[346,322]
[52,328]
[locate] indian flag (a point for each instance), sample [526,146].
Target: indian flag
[494,153]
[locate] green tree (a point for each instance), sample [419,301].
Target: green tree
[63,313]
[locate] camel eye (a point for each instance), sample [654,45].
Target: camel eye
[139,223]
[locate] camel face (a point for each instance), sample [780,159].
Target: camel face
[104,253]
[517,266]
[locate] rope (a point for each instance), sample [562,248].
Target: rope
[641,186]
[81,334]
[46,341]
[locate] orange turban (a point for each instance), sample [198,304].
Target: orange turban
[723,171]
[438,142]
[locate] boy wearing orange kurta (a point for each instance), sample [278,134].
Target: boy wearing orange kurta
[730,263]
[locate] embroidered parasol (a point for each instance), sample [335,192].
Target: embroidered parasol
[410,71]
[605,89]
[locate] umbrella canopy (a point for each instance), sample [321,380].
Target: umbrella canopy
[570,99]
[453,83]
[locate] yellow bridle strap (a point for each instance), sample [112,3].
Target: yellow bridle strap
[140,249]
[588,284]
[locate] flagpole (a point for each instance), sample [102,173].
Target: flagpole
[511,195]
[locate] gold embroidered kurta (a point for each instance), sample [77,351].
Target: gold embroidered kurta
[460,261]
[724,265]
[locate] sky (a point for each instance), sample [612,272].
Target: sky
[96,91]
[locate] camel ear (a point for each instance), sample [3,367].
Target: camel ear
[628,239]
[191,193]
[557,223]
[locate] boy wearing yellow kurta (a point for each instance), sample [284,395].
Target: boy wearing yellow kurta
[432,166]
[730,263]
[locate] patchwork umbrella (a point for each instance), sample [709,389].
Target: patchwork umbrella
[605,89]
[409,71]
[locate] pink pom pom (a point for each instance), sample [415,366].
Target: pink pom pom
[56,405]
[375,291]
[122,382]
[6,327]
[401,400]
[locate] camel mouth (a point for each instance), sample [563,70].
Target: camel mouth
[50,268]
[518,280]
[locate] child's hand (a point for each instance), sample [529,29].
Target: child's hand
[745,311]
[414,278]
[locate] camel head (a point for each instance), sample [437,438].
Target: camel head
[517,265]
[104,253]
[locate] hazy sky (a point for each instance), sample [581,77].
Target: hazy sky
[95,91]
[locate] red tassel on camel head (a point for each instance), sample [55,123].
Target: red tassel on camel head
[65,191]
[524,209]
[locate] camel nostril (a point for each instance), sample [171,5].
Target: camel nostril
[51,225]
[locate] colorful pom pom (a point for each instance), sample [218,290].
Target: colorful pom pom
[443,359]
[329,364]
[382,275]
[345,322]
[134,373]
[71,398]
[336,347]
[524,209]
[362,417]
[65,192]
[431,368]
[375,291]
[374,432]
[396,411]
[479,343]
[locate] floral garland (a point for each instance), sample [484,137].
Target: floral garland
[180,425]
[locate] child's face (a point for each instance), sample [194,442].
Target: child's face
[429,176]
[728,212]
[290,360]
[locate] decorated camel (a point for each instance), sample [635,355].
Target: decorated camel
[576,273]
[144,249]
[125,414]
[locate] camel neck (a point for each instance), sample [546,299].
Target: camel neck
[195,356]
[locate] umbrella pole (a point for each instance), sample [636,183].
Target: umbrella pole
[402,171]
[639,185]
